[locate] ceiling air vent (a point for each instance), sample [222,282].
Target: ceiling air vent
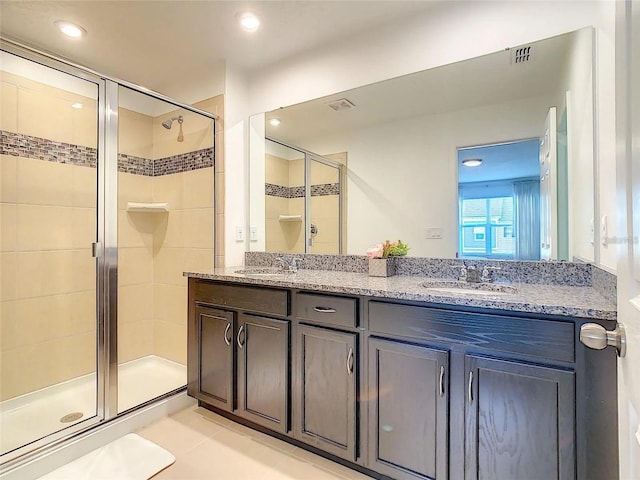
[521,54]
[341,104]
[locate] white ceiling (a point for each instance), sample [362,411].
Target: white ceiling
[179,48]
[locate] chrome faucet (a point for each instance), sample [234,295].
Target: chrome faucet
[289,265]
[473,275]
[487,274]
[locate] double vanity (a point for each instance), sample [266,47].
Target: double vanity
[415,376]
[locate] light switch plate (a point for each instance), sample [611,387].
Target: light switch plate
[239,233]
[253,233]
[433,233]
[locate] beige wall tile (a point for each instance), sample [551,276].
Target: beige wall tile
[8,105]
[198,228]
[169,263]
[135,266]
[45,183]
[137,229]
[84,270]
[69,357]
[135,133]
[84,122]
[220,189]
[296,206]
[134,188]
[213,105]
[84,186]
[321,173]
[276,170]
[169,188]
[197,259]
[31,121]
[46,273]
[8,179]
[170,341]
[198,188]
[296,173]
[8,227]
[45,228]
[219,235]
[275,206]
[170,304]
[135,340]
[220,261]
[135,303]
[8,325]
[8,276]
[173,234]
[83,311]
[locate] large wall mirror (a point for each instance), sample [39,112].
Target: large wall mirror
[491,157]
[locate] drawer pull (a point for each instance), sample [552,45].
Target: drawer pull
[442,380]
[240,344]
[325,309]
[226,333]
[470,388]
[350,362]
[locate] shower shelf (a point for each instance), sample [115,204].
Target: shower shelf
[147,207]
[290,218]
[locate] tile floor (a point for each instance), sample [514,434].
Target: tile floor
[210,447]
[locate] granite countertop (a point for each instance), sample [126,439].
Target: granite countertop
[583,302]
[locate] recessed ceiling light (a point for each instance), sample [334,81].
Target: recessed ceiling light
[274,122]
[70,29]
[471,162]
[77,105]
[249,22]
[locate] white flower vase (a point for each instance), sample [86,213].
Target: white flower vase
[382,267]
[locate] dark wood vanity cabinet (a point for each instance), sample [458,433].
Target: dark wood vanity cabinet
[519,421]
[238,357]
[327,389]
[404,390]
[408,410]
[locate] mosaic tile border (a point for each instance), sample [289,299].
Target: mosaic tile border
[319,190]
[20,145]
[547,273]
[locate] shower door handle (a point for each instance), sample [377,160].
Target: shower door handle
[96,249]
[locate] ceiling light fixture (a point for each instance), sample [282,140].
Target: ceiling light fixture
[77,105]
[70,29]
[249,22]
[274,122]
[472,162]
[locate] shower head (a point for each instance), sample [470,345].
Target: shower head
[167,123]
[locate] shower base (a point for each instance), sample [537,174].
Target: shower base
[34,415]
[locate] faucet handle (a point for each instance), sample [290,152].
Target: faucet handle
[463,272]
[487,273]
[295,264]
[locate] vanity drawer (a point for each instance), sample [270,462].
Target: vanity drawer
[327,309]
[546,339]
[256,299]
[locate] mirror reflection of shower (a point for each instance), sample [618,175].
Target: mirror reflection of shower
[168,123]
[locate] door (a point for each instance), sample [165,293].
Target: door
[216,359]
[548,189]
[327,363]
[325,226]
[628,183]
[263,371]
[52,160]
[519,421]
[408,413]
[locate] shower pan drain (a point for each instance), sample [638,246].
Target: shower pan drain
[71,417]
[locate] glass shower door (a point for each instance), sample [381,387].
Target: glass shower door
[48,214]
[325,219]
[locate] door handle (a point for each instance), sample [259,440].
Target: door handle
[442,380]
[226,332]
[240,330]
[325,309]
[350,362]
[470,390]
[595,336]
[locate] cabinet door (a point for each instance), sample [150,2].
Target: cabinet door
[263,371]
[215,357]
[327,365]
[520,421]
[408,415]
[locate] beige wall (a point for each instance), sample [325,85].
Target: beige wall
[47,224]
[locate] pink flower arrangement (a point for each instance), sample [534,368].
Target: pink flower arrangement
[376,251]
[388,249]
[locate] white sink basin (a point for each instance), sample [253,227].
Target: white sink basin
[467,291]
[457,286]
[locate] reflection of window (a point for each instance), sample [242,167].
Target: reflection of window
[486,227]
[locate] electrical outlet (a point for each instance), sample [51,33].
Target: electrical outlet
[433,233]
[239,233]
[253,233]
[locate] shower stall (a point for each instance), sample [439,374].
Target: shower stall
[106,197]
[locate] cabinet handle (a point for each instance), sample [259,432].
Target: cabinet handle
[350,362]
[240,344]
[325,309]
[470,387]
[442,380]
[226,333]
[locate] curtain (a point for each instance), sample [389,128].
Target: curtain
[526,195]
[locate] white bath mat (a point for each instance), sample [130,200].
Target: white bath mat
[128,458]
